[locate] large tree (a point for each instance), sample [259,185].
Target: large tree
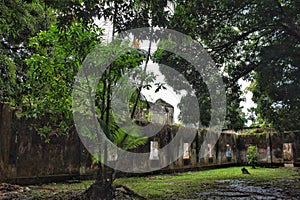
[244,37]
[197,19]
[51,76]
[276,84]
[59,54]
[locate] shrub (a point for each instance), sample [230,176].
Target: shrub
[252,156]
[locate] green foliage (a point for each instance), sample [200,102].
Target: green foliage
[252,156]
[52,68]
[125,14]
[246,36]
[7,79]
[128,142]
[59,55]
[194,85]
[254,40]
[276,83]
[19,21]
[235,117]
[258,132]
[204,23]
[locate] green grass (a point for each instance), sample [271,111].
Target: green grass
[181,185]
[186,184]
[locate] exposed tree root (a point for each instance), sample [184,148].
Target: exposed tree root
[128,191]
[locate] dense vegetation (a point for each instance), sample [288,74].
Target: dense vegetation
[43,44]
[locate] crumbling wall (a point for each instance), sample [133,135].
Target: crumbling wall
[24,154]
[292,138]
[260,141]
[270,147]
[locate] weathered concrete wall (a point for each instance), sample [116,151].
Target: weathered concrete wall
[270,147]
[260,141]
[24,154]
[213,156]
[294,140]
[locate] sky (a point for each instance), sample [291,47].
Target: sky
[248,103]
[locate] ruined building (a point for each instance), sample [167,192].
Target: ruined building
[25,157]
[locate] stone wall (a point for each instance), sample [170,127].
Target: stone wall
[270,147]
[24,154]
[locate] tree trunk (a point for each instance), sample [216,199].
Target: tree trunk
[100,191]
[102,188]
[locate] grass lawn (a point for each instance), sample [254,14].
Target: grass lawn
[184,185]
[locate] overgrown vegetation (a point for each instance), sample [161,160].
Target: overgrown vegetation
[43,44]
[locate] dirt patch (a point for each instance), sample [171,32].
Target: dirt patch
[9,191]
[16,192]
[246,189]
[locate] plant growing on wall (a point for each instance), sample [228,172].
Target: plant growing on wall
[252,156]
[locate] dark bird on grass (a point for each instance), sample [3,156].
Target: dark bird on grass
[245,171]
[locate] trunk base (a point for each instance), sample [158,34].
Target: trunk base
[99,192]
